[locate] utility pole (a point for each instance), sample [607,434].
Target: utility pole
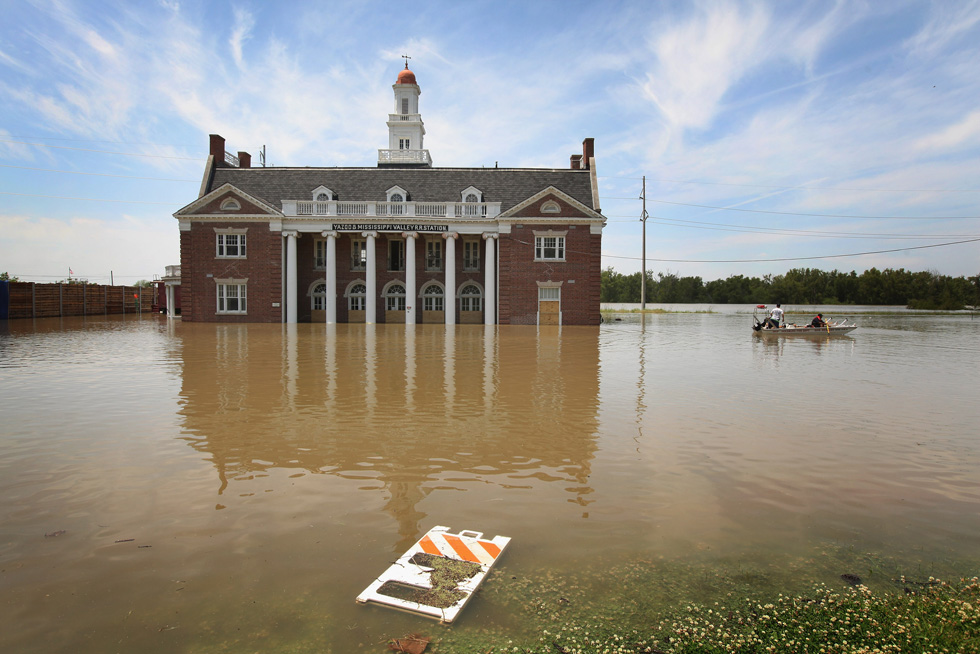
[262,156]
[643,279]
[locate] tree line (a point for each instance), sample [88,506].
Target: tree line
[916,290]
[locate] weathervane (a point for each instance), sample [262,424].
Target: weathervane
[406,58]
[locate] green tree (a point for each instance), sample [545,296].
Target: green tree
[7,277]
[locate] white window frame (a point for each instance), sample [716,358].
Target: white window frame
[395,300]
[434,255]
[472,201]
[230,204]
[429,298]
[356,299]
[549,246]
[466,300]
[550,207]
[549,293]
[404,144]
[358,253]
[318,295]
[320,254]
[223,243]
[320,191]
[400,265]
[231,292]
[471,255]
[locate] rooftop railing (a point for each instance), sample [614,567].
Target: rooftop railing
[447,210]
[404,156]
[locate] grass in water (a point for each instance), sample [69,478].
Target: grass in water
[922,617]
[445,577]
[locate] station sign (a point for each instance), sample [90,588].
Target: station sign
[388,227]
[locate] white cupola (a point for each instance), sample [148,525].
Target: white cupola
[405,128]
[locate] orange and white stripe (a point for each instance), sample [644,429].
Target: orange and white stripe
[460,547]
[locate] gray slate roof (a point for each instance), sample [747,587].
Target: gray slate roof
[509,186]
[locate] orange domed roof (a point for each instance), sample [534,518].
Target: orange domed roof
[406,77]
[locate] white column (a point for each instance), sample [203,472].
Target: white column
[450,299]
[168,289]
[331,298]
[371,301]
[291,308]
[410,293]
[489,283]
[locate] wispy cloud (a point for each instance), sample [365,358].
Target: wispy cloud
[244,22]
[698,60]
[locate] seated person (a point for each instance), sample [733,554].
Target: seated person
[775,317]
[818,321]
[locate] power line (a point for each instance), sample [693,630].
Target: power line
[817,215]
[803,188]
[826,256]
[78,172]
[725,227]
[126,154]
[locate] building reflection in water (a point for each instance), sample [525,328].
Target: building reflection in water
[407,411]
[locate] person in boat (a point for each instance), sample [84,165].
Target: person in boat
[818,321]
[775,316]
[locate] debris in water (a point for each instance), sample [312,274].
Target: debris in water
[126,540]
[853,580]
[55,534]
[438,575]
[412,644]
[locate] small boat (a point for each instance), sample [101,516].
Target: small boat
[831,328]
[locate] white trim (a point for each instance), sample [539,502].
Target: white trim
[511,213]
[323,189]
[191,209]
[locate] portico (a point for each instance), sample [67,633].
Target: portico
[446,267]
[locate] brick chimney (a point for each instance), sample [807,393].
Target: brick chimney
[244,160]
[576,161]
[588,152]
[218,149]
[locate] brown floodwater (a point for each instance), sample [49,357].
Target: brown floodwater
[170,487]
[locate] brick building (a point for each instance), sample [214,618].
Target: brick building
[402,242]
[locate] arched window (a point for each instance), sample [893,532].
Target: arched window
[432,298]
[395,298]
[356,297]
[397,197]
[322,197]
[472,198]
[318,297]
[471,298]
[230,204]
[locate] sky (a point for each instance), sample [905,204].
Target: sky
[771,135]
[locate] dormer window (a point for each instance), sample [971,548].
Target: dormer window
[471,196]
[397,197]
[323,194]
[230,204]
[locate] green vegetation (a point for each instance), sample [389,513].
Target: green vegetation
[936,617]
[921,290]
[7,277]
[445,577]
[806,604]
